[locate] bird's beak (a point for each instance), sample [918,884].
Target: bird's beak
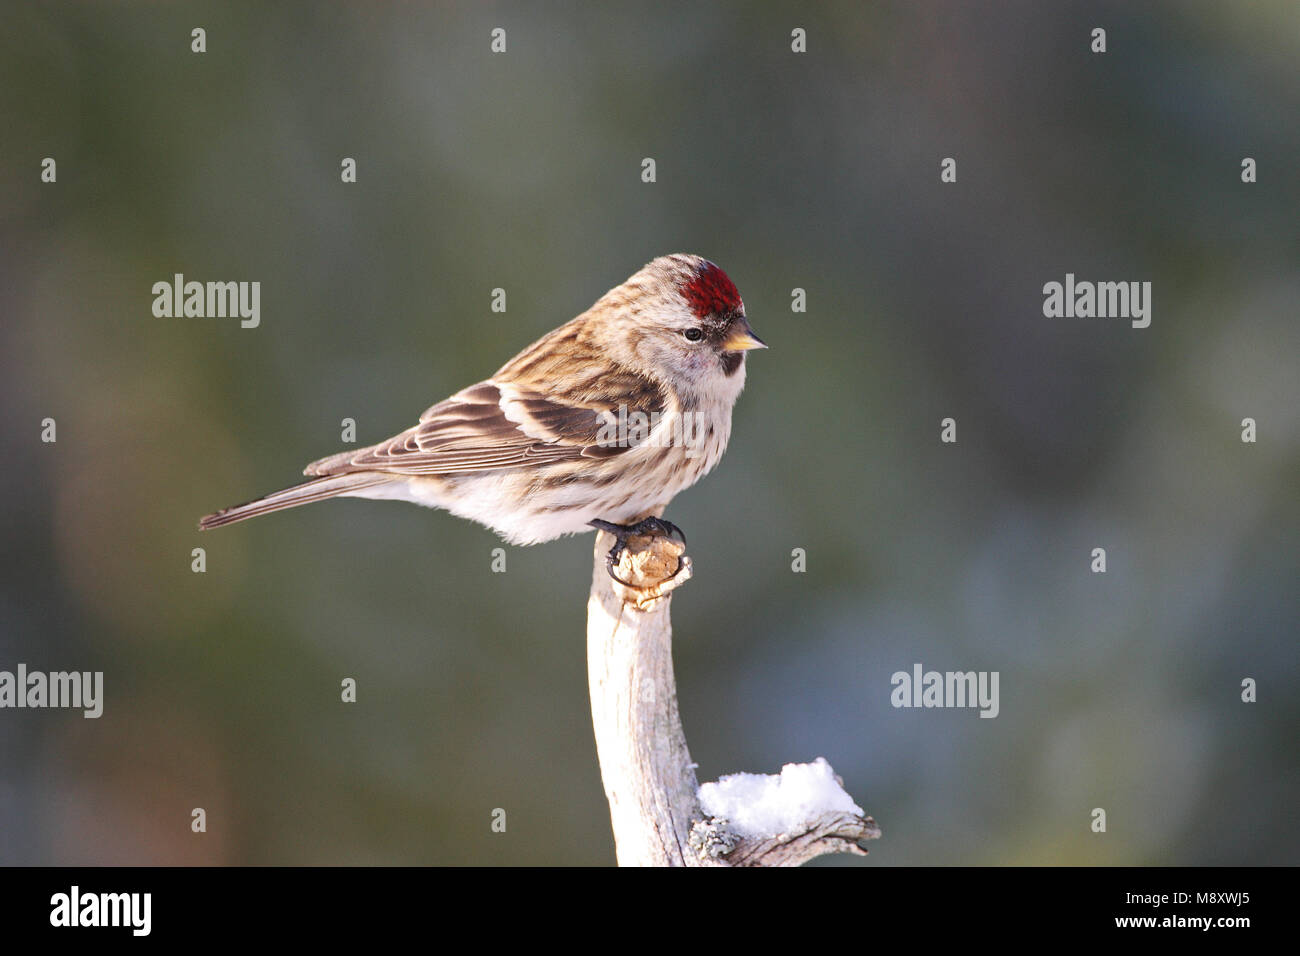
[741,338]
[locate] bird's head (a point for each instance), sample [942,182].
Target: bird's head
[682,319]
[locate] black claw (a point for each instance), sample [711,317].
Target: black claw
[609,569]
[653,526]
[648,527]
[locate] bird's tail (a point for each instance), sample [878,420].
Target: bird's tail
[317,489]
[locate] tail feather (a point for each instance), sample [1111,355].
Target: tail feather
[317,489]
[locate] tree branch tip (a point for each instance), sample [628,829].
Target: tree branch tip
[649,568]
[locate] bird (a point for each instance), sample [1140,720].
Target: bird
[598,424]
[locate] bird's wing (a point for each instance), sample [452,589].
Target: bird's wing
[508,424]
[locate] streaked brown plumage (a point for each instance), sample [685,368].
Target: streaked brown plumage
[536,451]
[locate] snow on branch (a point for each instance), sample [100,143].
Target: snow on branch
[660,814]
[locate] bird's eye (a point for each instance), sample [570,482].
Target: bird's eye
[693,335]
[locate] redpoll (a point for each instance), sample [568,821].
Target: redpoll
[603,420]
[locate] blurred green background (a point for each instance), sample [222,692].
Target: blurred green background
[522,171]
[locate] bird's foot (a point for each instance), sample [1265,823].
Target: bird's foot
[645,528]
[648,561]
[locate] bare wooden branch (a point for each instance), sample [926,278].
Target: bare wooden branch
[830,833]
[644,761]
[647,770]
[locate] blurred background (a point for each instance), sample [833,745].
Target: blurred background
[522,171]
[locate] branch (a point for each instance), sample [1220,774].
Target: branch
[654,797]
